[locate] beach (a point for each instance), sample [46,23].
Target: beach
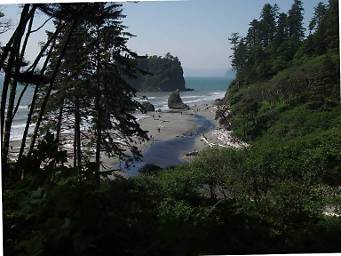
[174,137]
[172,134]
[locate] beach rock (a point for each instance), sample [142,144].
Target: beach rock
[148,107]
[149,169]
[218,102]
[175,101]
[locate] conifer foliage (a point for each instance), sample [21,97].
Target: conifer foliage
[80,83]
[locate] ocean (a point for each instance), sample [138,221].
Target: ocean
[206,90]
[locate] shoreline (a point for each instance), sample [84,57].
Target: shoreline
[182,129]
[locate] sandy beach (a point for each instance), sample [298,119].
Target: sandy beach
[180,127]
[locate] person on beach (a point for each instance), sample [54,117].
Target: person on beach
[158,129]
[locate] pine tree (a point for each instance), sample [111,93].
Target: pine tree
[295,26]
[90,91]
[319,13]
[268,23]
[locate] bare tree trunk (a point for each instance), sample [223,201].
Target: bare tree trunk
[59,124]
[74,148]
[13,43]
[99,116]
[49,90]
[78,132]
[6,50]
[18,60]
[44,48]
[99,135]
[4,95]
[34,98]
[28,122]
[19,100]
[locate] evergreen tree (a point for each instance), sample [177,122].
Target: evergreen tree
[282,31]
[319,13]
[239,57]
[90,93]
[268,23]
[295,26]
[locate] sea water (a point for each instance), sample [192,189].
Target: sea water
[206,90]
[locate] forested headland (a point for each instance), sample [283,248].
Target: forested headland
[280,194]
[159,74]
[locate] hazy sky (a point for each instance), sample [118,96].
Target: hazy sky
[194,30]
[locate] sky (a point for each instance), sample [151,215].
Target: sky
[196,31]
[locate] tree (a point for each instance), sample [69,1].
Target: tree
[319,13]
[295,26]
[239,56]
[268,24]
[282,33]
[159,74]
[90,93]
[112,61]
[15,51]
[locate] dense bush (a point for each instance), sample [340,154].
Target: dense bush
[267,198]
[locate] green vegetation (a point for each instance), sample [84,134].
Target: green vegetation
[279,195]
[161,74]
[227,201]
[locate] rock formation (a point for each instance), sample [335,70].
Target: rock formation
[175,101]
[148,107]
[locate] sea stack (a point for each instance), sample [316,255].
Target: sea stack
[147,107]
[175,101]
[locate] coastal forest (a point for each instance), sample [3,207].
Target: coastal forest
[159,74]
[279,194]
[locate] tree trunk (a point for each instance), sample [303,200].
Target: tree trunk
[44,48]
[59,124]
[50,88]
[99,136]
[8,46]
[18,60]
[34,98]
[19,100]
[28,122]
[78,132]
[22,54]
[99,116]
[74,149]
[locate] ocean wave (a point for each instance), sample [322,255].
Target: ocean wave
[192,101]
[193,96]
[141,116]
[22,125]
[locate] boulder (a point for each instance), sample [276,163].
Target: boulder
[148,107]
[175,101]
[218,102]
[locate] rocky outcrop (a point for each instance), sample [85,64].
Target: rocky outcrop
[175,101]
[162,74]
[148,107]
